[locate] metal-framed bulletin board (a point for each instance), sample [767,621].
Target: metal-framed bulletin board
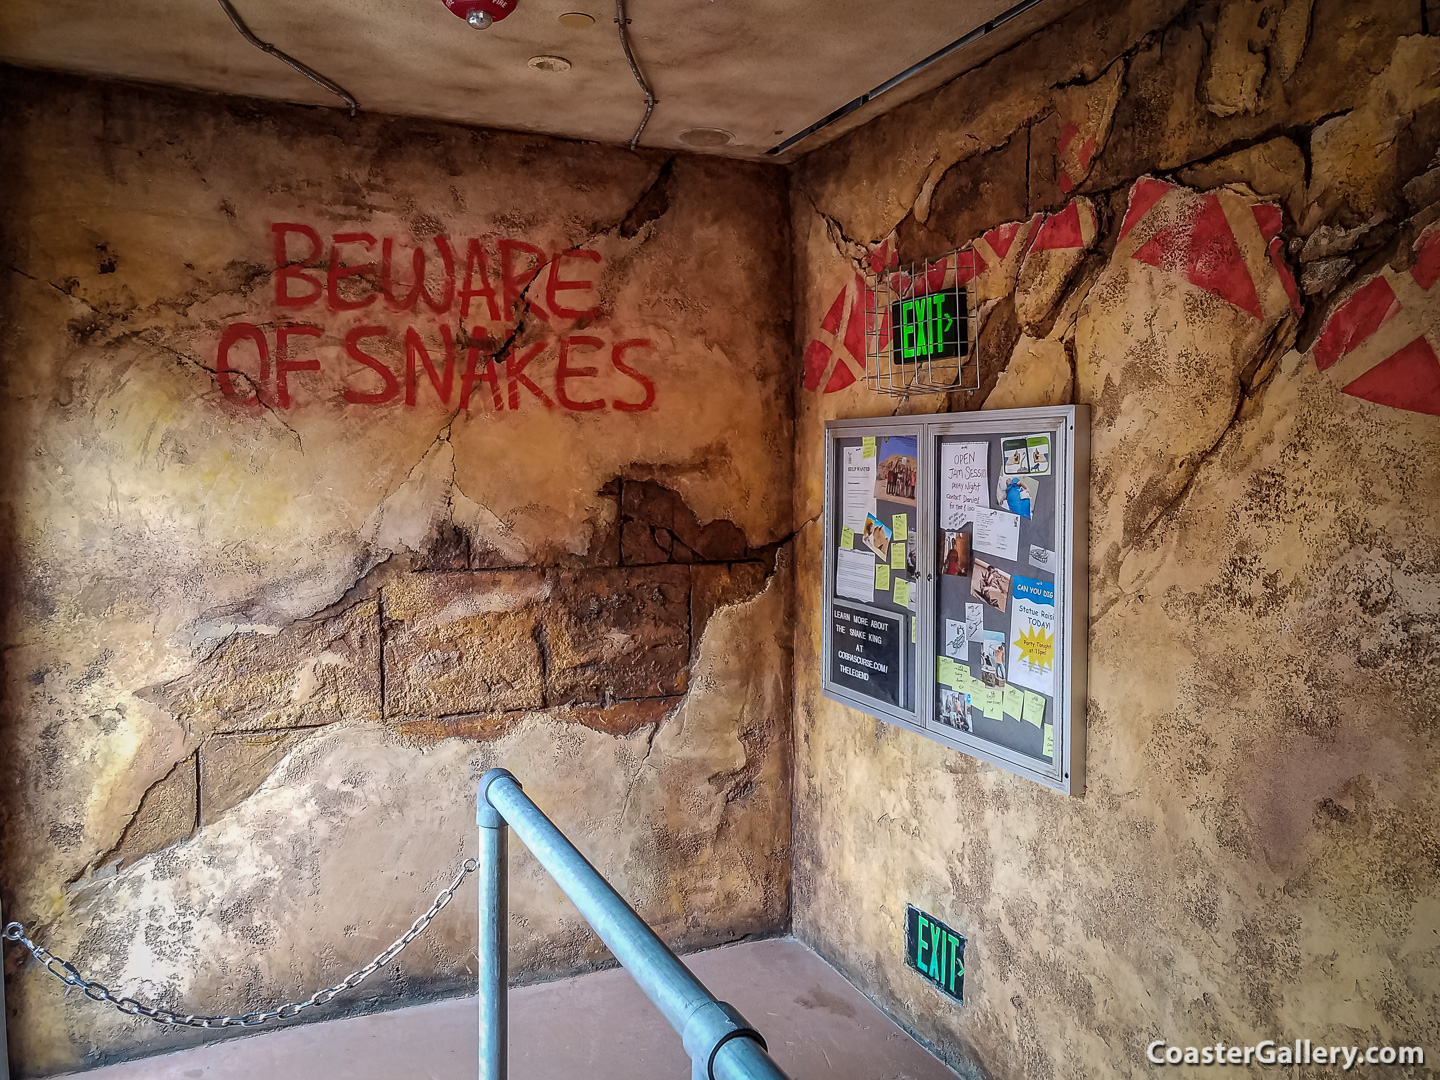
[975,634]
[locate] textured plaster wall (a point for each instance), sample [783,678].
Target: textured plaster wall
[1216,224]
[270,611]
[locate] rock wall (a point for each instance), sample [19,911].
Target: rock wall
[1216,223]
[342,460]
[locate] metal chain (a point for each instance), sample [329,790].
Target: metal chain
[95,991]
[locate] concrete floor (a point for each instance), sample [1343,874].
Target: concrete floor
[597,1026]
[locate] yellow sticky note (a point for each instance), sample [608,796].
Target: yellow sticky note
[1034,709]
[902,591]
[1014,701]
[945,673]
[867,447]
[897,556]
[900,523]
[847,538]
[990,703]
[913,631]
[882,577]
[1049,748]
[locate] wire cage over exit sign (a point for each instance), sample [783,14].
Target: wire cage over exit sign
[921,326]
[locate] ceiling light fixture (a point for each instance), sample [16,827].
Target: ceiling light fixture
[706,136]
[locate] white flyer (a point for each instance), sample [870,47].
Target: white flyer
[858,489]
[957,642]
[964,482]
[997,533]
[1032,635]
[855,575]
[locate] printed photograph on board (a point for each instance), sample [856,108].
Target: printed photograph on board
[898,469]
[1015,456]
[1016,494]
[877,537]
[990,584]
[955,554]
[992,658]
[954,710]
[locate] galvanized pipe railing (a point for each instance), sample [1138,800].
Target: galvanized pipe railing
[721,1044]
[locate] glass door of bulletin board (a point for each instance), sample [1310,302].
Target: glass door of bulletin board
[975,633]
[872,624]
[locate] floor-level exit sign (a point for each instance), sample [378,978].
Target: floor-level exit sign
[935,951]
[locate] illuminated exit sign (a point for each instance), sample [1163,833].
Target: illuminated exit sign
[935,951]
[929,328]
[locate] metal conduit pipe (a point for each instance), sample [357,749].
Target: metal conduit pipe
[721,1044]
[285,58]
[623,23]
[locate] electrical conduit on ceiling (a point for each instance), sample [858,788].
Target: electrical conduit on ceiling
[304,69]
[650,100]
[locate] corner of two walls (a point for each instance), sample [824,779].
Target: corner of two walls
[273,609]
[1216,223]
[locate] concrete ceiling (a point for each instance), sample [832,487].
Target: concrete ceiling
[761,69]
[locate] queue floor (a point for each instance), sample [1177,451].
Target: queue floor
[599,1026]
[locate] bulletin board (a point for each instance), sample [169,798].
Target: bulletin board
[871,629]
[996,555]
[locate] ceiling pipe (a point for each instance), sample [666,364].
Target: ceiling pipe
[650,100]
[304,69]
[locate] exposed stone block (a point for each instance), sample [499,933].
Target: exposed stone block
[315,672]
[463,643]
[974,195]
[231,767]
[616,633]
[714,586]
[657,527]
[1273,169]
[1039,374]
[1065,145]
[166,814]
[1058,248]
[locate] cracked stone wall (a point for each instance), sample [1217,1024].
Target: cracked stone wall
[345,459]
[1219,225]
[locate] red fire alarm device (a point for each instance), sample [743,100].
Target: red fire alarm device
[481,13]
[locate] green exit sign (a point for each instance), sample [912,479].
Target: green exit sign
[935,951]
[928,328]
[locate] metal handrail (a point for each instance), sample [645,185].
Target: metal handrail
[721,1044]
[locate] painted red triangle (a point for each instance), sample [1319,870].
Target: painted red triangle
[1427,265]
[1269,218]
[1354,321]
[1000,238]
[1410,379]
[1145,194]
[1060,230]
[1214,260]
[1067,133]
[816,357]
[1205,249]
[1166,249]
[841,377]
